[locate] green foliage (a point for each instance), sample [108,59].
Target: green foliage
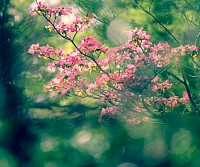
[90,5]
[65,138]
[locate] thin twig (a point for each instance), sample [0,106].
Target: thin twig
[189,93]
[158,21]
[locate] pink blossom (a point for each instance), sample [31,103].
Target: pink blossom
[130,66]
[185,99]
[118,76]
[51,64]
[33,48]
[167,85]
[155,79]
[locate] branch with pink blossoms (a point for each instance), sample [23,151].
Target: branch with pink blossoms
[65,30]
[135,80]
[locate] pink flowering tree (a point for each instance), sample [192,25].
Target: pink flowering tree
[136,80]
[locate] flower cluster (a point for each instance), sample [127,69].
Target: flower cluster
[160,54]
[57,11]
[77,23]
[161,86]
[184,50]
[185,99]
[91,45]
[46,51]
[131,79]
[108,113]
[167,104]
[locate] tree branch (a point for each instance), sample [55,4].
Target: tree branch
[158,21]
[189,93]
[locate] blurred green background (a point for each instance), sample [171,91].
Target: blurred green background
[38,129]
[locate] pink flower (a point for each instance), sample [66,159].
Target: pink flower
[155,79]
[167,85]
[33,48]
[146,118]
[90,44]
[66,11]
[33,12]
[155,88]
[51,64]
[185,99]
[130,66]
[48,88]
